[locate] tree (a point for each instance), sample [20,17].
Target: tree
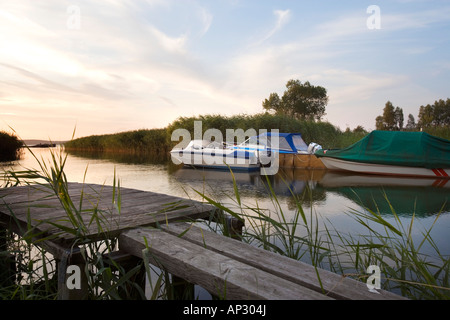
[379,123]
[426,115]
[441,113]
[389,116]
[398,118]
[301,101]
[274,102]
[411,124]
[436,115]
[392,118]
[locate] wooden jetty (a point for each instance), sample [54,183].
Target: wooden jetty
[162,226]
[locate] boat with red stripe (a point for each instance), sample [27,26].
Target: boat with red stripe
[415,154]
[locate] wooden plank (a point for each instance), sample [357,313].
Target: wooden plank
[109,224]
[34,203]
[333,285]
[215,272]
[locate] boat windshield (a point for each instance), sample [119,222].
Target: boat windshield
[215,145]
[197,144]
[299,143]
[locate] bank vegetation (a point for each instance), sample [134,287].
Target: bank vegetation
[10,147]
[160,142]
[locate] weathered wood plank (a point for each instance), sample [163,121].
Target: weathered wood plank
[32,204]
[222,276]
[333,285]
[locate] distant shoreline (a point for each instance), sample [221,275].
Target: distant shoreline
[35,143]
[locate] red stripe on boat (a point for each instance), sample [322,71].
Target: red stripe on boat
[442,171]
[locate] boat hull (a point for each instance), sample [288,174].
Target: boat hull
[381,169]
[223,161]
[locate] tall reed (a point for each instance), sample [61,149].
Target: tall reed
[406,268]
[36,274]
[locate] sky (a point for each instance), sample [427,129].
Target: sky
[100,67]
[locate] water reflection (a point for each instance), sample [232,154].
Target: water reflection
[383,194]
[404,196]
[121,157]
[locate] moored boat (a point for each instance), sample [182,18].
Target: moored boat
[397,153]
[217,155]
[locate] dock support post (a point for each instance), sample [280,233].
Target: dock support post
[232,226]
[182,289]
[126,261]
[72,278]
[7,260]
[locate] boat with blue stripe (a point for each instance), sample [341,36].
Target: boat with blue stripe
[255,152]
[218,155]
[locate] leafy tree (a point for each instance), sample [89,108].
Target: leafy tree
[411,124]
[274,103]
[435,115]
[441,113]
[379,123]
[398,118]
[426,116]
[360,129]
[389,116]
[392,118]
[301,101]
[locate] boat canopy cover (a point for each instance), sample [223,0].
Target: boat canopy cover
[411,149]
[287,142]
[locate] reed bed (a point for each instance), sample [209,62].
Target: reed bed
[158,141]
[323,133]
[10,147]
[406,269]
[441,131]
[154,141]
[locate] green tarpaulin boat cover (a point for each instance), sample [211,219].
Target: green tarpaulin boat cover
[412,149]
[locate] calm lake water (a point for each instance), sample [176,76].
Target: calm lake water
[331,197]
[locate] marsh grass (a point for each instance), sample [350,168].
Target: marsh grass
[156,143]
[407,269]
[34,272]
[394,246]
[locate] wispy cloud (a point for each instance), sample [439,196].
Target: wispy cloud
[206,19]
[282,18]
[170,44]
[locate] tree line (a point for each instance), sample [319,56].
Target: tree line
[434,115]
[304,101]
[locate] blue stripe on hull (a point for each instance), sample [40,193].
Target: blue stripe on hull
[253,168]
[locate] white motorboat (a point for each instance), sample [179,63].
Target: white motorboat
[218,155]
